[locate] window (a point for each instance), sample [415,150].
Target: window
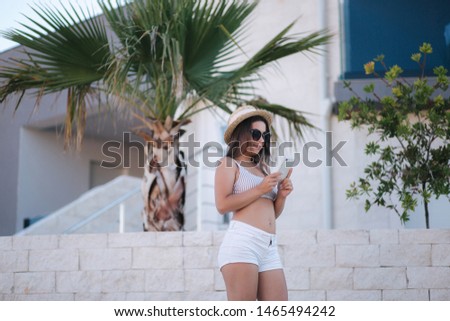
[396,29]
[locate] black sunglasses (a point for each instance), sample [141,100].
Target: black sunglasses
[256,135]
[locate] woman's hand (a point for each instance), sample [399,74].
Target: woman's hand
[285,187]
[269,182]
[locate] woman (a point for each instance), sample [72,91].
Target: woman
[248,257]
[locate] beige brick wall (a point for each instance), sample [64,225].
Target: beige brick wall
[319,265]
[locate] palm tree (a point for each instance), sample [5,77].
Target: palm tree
[166,59]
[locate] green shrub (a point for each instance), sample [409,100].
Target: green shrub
[411,151]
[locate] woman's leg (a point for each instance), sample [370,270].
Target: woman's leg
[241,281]
[272,286]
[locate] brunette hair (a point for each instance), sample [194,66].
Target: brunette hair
[241,135]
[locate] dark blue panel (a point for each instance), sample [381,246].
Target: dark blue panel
[396,29]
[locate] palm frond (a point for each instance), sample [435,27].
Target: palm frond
[279,47]
[60,53]
[208,48]
[237,86]
[162,53]
[282,46]
[68,52]
[180,41]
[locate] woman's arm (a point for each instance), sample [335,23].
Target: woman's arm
[225,176]
[279,205]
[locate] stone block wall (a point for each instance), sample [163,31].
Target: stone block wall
[319,265]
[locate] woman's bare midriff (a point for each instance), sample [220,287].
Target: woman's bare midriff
[260,214]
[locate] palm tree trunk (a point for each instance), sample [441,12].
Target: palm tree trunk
[163,185]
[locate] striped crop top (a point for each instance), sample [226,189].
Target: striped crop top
[248,180]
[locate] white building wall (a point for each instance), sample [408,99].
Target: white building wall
[50,177]
[206,131]
[298,82]
[43,167]
[295,82]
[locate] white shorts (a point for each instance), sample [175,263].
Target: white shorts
[244,243]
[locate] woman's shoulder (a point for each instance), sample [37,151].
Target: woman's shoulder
[226,170]
[227,162]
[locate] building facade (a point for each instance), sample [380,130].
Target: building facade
[38,177]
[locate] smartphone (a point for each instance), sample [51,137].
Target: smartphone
[283,169]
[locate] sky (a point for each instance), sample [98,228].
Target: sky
[11,13]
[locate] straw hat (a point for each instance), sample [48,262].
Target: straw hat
[241,114]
